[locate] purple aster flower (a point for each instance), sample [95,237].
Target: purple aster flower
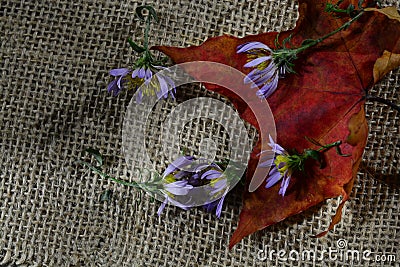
[186,173]
[142,79]
[266,71]
[281,167]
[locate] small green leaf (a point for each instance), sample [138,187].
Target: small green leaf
[329,7]
[96,154]
[106,196]
[135,46]
[339,152]
[276,41]
[313,154]
[350,9]
[287,40]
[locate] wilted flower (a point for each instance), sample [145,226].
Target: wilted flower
[282,167]
[187,173]
[141,78]
[269,65]
[285,164]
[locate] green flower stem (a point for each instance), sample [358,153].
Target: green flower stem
[328,146]
[149,187]
[319,40]
[106,176]
[285,56]
[146,33]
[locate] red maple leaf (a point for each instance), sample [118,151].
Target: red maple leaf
[324,101]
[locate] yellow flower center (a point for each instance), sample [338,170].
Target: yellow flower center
[169,179]
[214,181]
[147,90]
[262,65]
[282,163]
[133,83]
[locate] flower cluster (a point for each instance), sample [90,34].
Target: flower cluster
[187,173]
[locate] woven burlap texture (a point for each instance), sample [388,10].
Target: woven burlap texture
[54,62]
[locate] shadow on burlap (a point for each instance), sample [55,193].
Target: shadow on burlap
[55,57]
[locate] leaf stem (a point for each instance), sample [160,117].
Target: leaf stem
[106,176]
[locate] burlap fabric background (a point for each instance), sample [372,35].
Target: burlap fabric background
[54,62]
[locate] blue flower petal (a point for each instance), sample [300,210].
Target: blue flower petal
[113,88]
[263,79]
[252,45]
[178,188]
[268,88]
[179,163]
[284,184]
[119,82]
[148,74]
[135,73]
[119,72]
[163,86]
[257,61]
[141,73]
[162,206]
[266,164]
[252,76]
[219,207]
[211,174]
[273,177]
[275,147]
[201,166]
